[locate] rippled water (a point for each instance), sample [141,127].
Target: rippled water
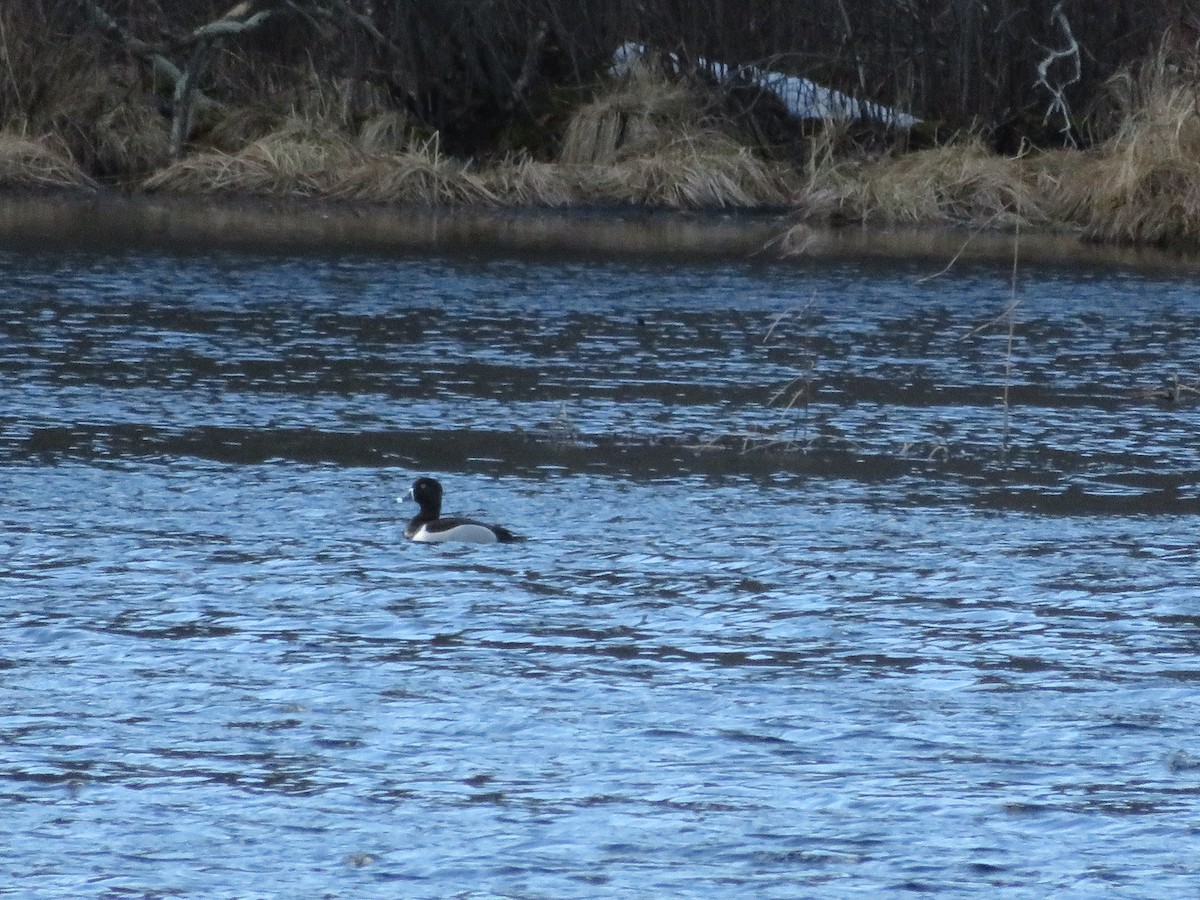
[874,638]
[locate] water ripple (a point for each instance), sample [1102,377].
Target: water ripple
[854,640]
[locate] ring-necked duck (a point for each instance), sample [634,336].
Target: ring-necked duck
[428,526]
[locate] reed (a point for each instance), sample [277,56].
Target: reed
[1142,185]
[796,395]
[1011,314]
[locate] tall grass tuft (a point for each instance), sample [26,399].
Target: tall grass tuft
[26,163]
[650,140]
[694,171]
[522,181]
[1142,185]
[638,113]
[295,159]
[54,80]
[307,159]
[957,183]
[129,139]
[420,176]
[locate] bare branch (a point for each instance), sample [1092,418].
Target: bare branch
[1058,99]
[161,66]
[207,39]
[529,66]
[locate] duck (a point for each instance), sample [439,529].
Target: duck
[429,527]
[1171,392]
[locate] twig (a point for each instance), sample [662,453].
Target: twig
[779,319]
[961,250]
[991,323]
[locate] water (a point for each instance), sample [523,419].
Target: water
[858,645]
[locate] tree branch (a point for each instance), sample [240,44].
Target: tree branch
[161,66]
[1058,99]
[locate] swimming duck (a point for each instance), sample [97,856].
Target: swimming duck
[428,526]
[1171,392]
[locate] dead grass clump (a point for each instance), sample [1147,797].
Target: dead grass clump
[29,163]
[305,101]
[338,100]
[388,132]
[59,77]
[642,113]
[308,159]
[659,142]
[48,73]
[129,139]
[963,182]
[695,171]
[232,128]
[1143,184]
[296,160]
[421,176]
[521,181]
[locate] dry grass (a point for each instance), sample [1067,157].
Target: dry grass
[1142,186]
[692,172]
[962,182]
[46,84]
[650,145]
[520,181]
[647,140]
[307,160]
[28,163]
[295,160]
[129,139]
[639,114]
[655,142]
[388,132]
[55,84]
[234,128]
[419,176]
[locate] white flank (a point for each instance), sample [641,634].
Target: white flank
[471,534]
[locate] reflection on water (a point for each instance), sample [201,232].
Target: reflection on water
[848,642]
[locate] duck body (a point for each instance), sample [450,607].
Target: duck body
[428,526]
[464,530]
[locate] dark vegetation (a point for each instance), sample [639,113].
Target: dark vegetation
[310,96]
[494,76]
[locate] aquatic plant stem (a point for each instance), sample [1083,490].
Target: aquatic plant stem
[1012,315]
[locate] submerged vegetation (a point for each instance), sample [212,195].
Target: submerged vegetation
[1069,115]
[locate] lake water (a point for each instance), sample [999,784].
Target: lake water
[877,637]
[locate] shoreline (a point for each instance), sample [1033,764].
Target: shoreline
[110,218]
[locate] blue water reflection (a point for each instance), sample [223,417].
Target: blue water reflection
[854,646]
